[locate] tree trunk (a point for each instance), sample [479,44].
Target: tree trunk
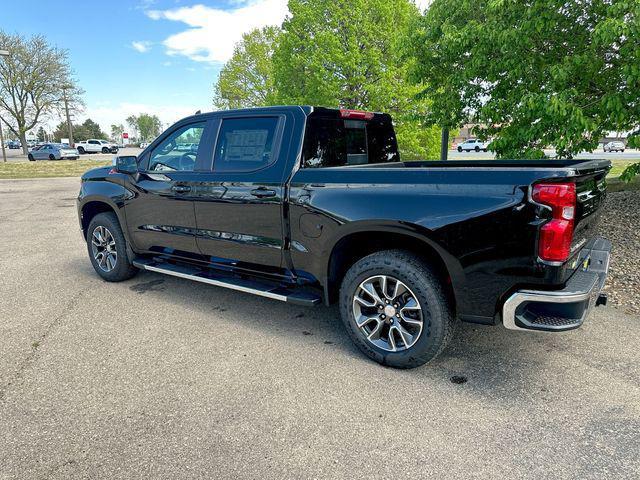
[23,141]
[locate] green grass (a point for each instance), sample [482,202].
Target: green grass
[618,166]
[49,168]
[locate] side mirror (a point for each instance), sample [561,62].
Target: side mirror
[126,164]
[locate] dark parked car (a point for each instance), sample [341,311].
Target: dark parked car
[310,205]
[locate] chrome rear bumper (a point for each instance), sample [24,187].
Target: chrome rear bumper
[561,310]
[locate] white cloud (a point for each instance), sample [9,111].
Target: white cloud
[107,114]
[141,46]
[423,4]
[213,32]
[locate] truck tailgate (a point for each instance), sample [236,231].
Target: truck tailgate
[591,190]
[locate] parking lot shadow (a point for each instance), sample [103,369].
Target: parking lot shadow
[489,361]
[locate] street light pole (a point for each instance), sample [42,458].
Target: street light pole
[3,53]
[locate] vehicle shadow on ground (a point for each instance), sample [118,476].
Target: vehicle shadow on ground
[490,360]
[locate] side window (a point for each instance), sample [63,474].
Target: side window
[177,152]
[94,142]
[245,144]
[337,142]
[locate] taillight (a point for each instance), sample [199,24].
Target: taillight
[554,243]
[356,114]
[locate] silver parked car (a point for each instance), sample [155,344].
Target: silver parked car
[615,146]
[53,151]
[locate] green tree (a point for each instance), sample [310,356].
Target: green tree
[147,126]
[246,80]
[634,169]
[117,129]
[93,129]
[41,135]
[538,73]
[351,55]
[84,131]
[34,80]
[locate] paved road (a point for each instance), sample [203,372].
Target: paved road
[163,378]
[18,156]
[629,154]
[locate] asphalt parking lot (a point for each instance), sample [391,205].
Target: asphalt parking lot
[159,377]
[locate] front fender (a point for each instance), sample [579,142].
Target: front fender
[108,192]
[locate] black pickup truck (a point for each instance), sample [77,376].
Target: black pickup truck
[313,206]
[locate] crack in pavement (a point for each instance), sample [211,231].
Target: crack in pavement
[29,360]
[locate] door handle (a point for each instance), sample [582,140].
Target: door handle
[263,192]
[181,188]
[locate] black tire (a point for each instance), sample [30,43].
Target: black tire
[477,149]
[459,149]
[417,275]
[31,159]
[52,156]
[81,150]
[123,269]
[105,150]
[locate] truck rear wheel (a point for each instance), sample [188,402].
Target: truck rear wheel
[395,309]
[108,249]
[81,150]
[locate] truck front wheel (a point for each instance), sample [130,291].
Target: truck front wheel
[108,248]
[395,309]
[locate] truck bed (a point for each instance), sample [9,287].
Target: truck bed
[580,167]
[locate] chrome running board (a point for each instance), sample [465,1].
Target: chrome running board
[262,288]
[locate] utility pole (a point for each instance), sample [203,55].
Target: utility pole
[444,144]
[66,109]
[3,53]
[4,153]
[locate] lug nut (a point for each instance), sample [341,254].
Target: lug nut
[395,305]
[380,307]
[386,301]
[383,316]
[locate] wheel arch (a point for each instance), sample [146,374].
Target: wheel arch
[94,206]
[358,243]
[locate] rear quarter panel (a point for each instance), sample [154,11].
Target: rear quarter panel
[479,221]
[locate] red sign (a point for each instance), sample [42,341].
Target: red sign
[125,135]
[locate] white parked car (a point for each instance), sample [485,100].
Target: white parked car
[96,146]
[473,144]
[615,146]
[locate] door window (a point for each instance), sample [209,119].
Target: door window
[245,144]
[178,152]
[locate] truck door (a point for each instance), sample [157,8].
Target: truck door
[239,203]
[161,216]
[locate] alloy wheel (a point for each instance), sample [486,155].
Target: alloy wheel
[387,313]
[103,247]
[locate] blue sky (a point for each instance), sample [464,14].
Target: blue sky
[154,56]
[133,56]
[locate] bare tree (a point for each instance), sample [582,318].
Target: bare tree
[35,81]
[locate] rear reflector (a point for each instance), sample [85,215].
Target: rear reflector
[554,242]
[356,114]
